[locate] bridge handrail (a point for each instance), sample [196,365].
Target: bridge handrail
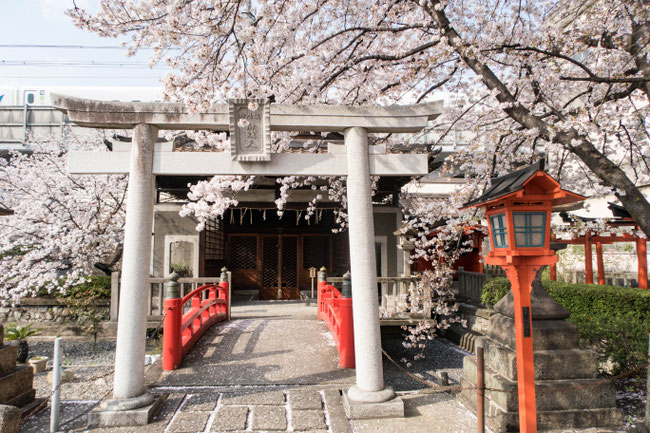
[195,292]
[336,311]
[182,330]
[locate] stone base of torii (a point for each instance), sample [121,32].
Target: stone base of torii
[249,123]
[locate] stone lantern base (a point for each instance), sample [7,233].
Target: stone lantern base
[569,393]
[16,381]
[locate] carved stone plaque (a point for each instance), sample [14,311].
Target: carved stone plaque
[250,129]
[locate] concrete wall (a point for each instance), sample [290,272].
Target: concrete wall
[167,222]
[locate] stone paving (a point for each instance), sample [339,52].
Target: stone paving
[272,369]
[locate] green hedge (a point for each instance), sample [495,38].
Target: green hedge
[613,320]
[98,287]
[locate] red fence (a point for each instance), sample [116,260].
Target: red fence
[209,305]
[336,311]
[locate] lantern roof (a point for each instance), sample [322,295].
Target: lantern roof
[531,180]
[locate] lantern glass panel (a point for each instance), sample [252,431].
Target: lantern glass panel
[499,234]
[530,229]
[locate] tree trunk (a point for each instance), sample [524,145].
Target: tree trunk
[608,172]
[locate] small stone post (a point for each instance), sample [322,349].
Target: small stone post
[369,370]
[322,281]
[128,389]
[225,283]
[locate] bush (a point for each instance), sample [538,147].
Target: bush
[494,290]
[612,320]
[80,301]
[98,287]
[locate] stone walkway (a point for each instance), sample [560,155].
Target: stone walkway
[273,368]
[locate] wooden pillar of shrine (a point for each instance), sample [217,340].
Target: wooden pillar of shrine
[642,260]
[589,266]
[600,266]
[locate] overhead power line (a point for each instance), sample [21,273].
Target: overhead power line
[80,77]
[82,64]
[89,47]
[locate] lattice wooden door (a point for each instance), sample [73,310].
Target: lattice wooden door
[279,267]
[316,253]
[242,261]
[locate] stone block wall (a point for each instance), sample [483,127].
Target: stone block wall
[48,314]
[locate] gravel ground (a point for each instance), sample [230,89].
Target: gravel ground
[76,352]
[92,367]
[439,356]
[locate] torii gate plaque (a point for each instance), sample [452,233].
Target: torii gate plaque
[250,156]
[250,129]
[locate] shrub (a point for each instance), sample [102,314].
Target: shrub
[19,333]
[610,319]
[98,287]
[495,289]
[80,301]
[613,320]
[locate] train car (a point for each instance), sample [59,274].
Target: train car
[27,111]
[35,96]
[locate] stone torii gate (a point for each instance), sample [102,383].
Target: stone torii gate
[249,122]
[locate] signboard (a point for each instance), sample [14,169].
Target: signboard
[250,129]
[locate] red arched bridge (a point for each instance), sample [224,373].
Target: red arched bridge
[187,318]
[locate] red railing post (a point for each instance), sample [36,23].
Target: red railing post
[322,282]
[173,318]
[224,293]
[196,306]
[346,326]
[212,297]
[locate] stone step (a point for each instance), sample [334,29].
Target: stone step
[551,395]
[23,399]
[547,334]
[34,405]
[15,383]
[549,364]
[8,358]
[501,421]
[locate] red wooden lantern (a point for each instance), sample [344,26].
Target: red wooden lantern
[518,209]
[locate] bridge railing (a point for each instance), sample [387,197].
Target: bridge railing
[335,309]
[187,318]
[156,294]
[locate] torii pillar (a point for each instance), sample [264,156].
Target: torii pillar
[128,383]
[250,154]
[368,398]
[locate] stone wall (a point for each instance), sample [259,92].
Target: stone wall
[48,314]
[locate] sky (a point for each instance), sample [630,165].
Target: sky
[27,25]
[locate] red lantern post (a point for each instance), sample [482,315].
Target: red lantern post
[518,209]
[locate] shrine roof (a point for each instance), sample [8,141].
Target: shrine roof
[507,184]
[618,211]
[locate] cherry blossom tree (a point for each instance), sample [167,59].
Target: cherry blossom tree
[567,79]
[64,226]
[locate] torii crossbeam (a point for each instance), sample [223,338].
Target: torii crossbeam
[249,123]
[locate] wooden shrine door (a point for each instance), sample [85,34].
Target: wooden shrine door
[280,267]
